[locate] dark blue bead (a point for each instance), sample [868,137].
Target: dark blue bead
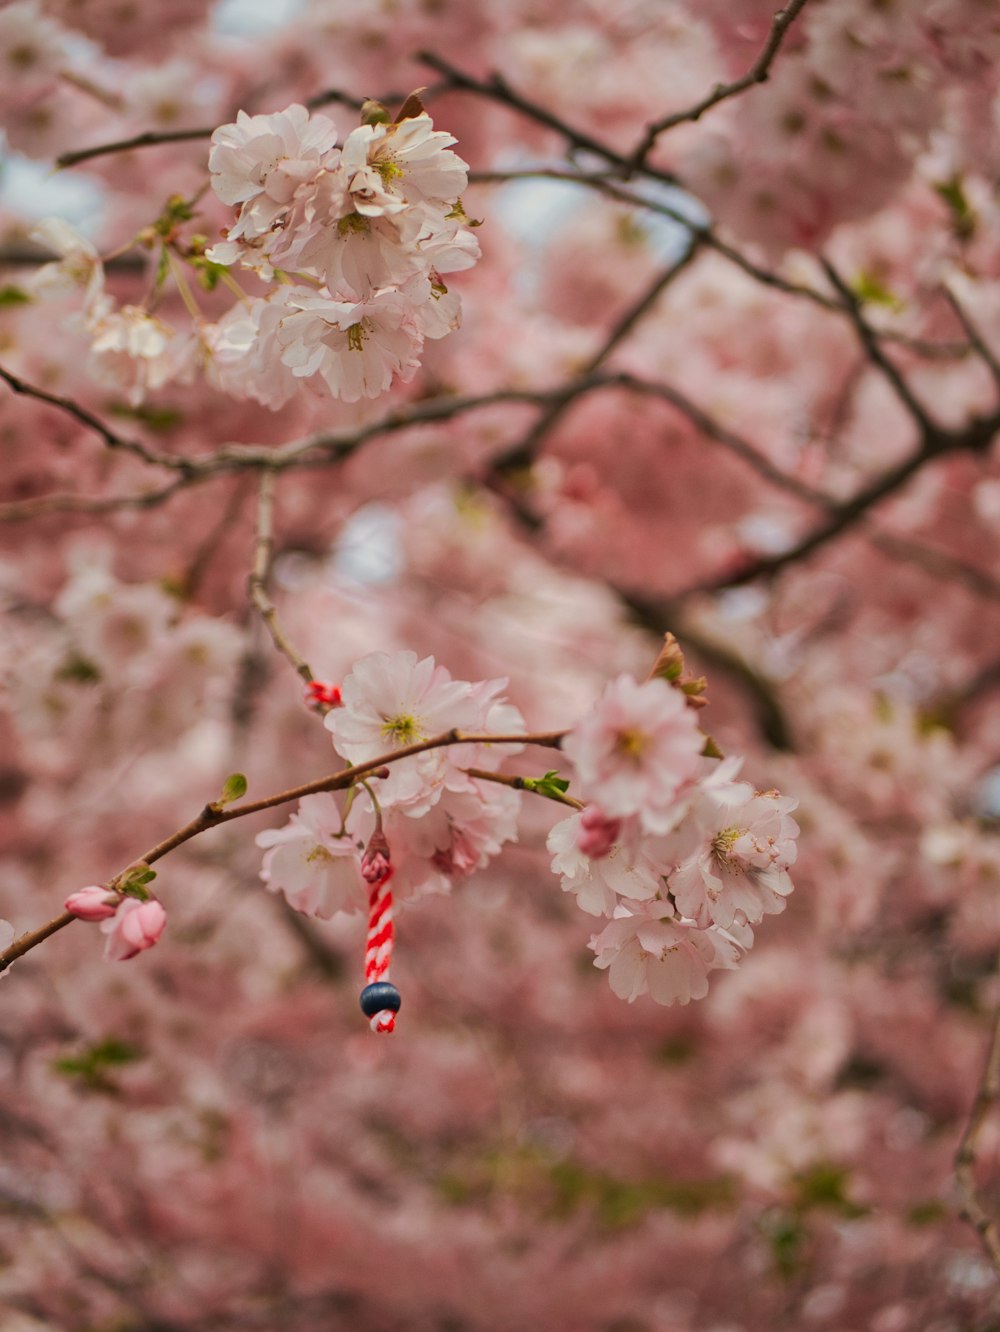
[378,996]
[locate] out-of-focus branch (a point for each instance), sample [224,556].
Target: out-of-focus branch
[146,140]
[976,339]
[18,511]
[987,1096]
[497,89]
[87,418]
[872,346]
[757,73]
[257,581]
[153,138]
[975,437]
[522,453]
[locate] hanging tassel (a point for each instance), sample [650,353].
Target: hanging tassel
[380,1000]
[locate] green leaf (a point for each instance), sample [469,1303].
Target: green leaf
[234,789]
[11,295]
[79,670]
[156,418]
[963,217]
[133,883]
[209,273]
[90,1067]
[551,784]
[870,290]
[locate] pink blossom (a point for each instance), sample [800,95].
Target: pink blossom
[32,48]
[598,833]
[645,949]
[78,266]
[93,903]
[637,751]
[266,159]
[357,348]
[133,351]
[407,162]
[394,701]
[599,883]
[312,861]
[738,868]
[135,926]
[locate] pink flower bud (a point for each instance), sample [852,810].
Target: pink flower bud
[136,926]
[598,833]
[93,903]
[375,867]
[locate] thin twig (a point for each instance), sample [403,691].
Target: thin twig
[870,341]
[987,1095]
[497,89]
[263,546]
[522,454]
[146,140]
[208,548]
[523,784]
[757,73]
[87,418]
[20,510]
[983,350]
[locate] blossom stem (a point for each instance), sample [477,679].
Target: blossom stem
[521,784]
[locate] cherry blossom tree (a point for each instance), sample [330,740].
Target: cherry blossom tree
[493,495]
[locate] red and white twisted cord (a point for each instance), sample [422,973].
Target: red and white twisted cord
[378,948]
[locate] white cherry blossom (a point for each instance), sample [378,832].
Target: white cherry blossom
[318,870]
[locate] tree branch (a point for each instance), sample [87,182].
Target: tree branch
[213,816]
[757,73]
[987,1095]
[257,581]
[497,89]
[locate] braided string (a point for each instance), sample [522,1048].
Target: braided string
[378,948]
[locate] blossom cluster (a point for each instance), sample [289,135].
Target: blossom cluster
[684,858]
[363,233]
[440,822]
[132,924]
[351,241]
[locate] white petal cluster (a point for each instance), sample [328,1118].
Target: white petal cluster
[441,823]
[359,236]
[692,858]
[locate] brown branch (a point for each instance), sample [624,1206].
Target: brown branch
[148,139]
[709,239]
[497,89]
[257,582]
[523,784]
[522,454]
[987,1095]
[757,73]
[20,510]
[974,437]
[212,815]
[153,138]
[871,343]
[976,339]
[93,423]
